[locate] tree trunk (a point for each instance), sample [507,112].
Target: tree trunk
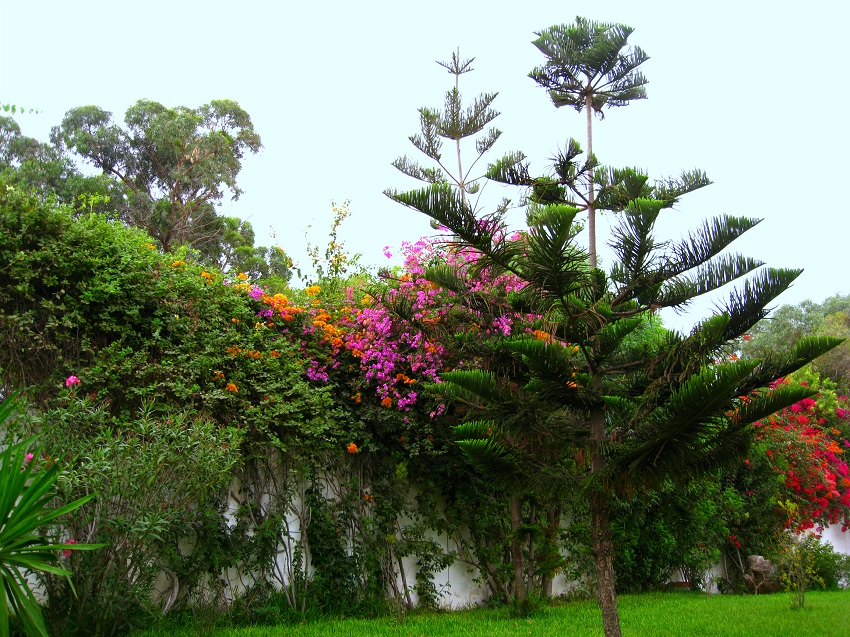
[603,551]
[516,550]
[600,529]
[591,204]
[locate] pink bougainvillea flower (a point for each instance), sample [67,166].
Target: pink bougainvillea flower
[71,381]
[30,457]
[67,552]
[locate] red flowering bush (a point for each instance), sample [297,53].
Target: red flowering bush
[805,445]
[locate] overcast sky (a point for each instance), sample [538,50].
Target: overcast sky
[751,91]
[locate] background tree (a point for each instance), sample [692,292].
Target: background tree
[235,252]
[790,323]
[453,123]
[589,67]
[45,169]
[175,163]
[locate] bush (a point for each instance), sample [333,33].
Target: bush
[155,477]
[829,570]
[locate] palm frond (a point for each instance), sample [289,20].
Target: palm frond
[612,335]
[754,407]
[633,243]
[708,241]
[447,276]
[678,292]
[780,364]
[670,190]
[475,430]
[413,169]
[748,306]
[470,385]
[512,169]
[498,463]
[444,204]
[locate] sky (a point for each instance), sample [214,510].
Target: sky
[750,91]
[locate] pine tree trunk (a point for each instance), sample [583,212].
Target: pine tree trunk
[591,204]
[603,551]
[600,529]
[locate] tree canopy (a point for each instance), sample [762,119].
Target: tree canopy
[175,164]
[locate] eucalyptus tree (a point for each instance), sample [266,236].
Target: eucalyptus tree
[51,173]
[638,411]
[590,67]
[175,164]
[789,323]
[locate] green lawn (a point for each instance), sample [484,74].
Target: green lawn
[652,615]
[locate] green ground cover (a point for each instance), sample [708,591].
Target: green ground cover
[826,614]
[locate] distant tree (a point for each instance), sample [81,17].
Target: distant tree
[44,169]
[235,252]
[787,325]
[589,67]
[175,163]
[453,123]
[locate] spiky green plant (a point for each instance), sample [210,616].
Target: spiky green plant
[589,67]
[26,493]
[645,410]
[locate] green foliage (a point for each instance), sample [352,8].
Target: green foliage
[671,530]
[809,564]
[791,323]
[88,297]
[588,65]
[174,164]
[155,476]
[46,170]
[28,489]
[454,123]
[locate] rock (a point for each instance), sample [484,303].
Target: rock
[761,577]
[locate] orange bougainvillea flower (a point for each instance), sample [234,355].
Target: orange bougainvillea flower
[232,388]
[218,375]
[541,335]
[387,402]
[352,448]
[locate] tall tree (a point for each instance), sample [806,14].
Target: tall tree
[790,323]
[642,411]
[453,123]
[175,163]
[590,67]
[47,170]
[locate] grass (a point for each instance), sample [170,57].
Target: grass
[827,614]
